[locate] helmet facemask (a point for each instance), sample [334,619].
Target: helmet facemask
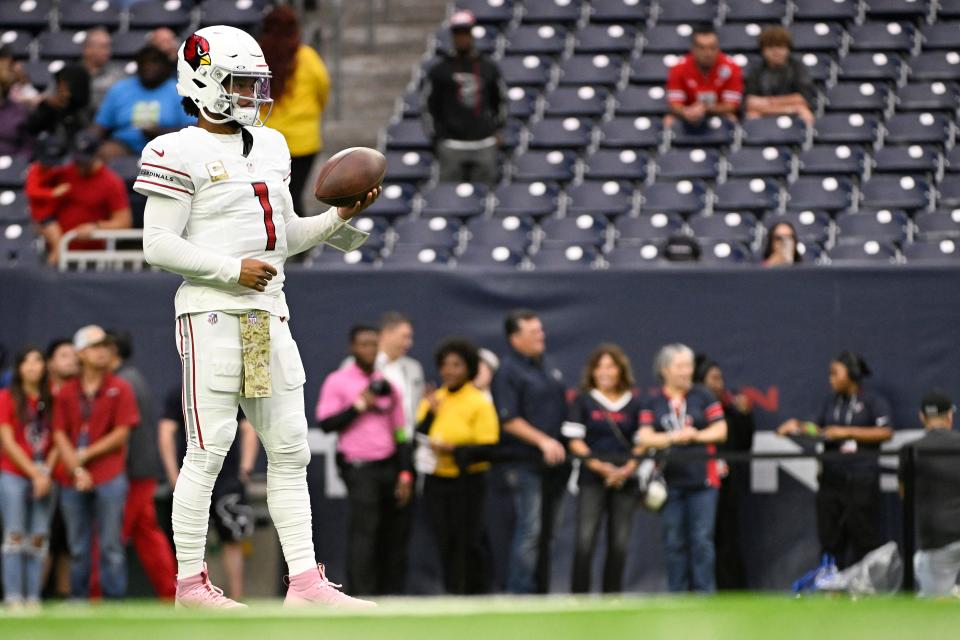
[244,95]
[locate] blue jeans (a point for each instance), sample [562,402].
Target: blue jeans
[687,527]
[102,505]
[26,531]
[526,487]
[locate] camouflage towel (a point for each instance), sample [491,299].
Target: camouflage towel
[255,338]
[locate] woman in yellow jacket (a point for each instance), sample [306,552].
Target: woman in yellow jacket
[458,415]
[300,86]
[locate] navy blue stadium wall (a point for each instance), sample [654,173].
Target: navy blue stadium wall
[773,331]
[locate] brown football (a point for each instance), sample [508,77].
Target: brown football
[348,176]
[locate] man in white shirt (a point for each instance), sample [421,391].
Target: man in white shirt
[219,213]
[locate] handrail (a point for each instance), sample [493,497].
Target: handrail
[101,257]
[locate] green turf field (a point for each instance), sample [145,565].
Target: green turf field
[743,617]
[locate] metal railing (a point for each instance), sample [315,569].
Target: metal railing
[110,257]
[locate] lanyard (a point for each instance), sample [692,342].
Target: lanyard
[86,410]
[36,430]
[678,413]
[852,403]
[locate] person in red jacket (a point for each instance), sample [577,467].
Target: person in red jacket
[45,185]
[706,82]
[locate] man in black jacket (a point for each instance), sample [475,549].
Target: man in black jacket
[465,108]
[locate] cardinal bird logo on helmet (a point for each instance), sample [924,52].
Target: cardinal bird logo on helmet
[196,51]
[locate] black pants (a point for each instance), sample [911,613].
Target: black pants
[848,516]
[456,510]
[376,556]
[299,172]
[593,502]
[731,573]
[554,488]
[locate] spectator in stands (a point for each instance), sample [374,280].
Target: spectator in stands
[782,248]
[63,364]
[26,499]
[530,398]
[45,184]
[489,363]
[687,416]
[95,57]
[936,477]
[779,84]
[454,416]
[167,41]
[706,82]
[140,108]
[230,509]
[366,411]
[66,109]
[14,140]
[853,420]
[602,426]
[92,418]
[96,199]
[465,108]
[734,476]
[143,468]
[300,86]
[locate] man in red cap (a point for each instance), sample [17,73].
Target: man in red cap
[465,107]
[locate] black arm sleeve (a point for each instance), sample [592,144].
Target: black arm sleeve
[338,421]
[424,425]
[405,456]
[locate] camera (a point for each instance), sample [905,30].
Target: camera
[379,387]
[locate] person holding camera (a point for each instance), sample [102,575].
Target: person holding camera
[373,456]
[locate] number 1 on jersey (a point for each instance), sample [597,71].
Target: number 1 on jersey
[260,190]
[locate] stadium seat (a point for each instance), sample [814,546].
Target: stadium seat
[747,193]
[937,252]
[18,245]
[820,193]
[753,11]
[513,232]
[882,36]
[681,164]
[576,101]
[551,11]
[942,34]
[760,161]
[949,193]
[13,172]
[634,101]
[684,197]
[545,166]
[812,227]
[454,200]
[952,160]
[819,65]
[774,130]
[628,132]
[600,198]
[241,14]
[913,160]
[817,36]
[739,37]
[637,230]
[846,128]
[652,68]
[895,192]
[407,134]
[536,39]
[927,96]
[61,45]
[616,164]
[931,225]
[126,44]
[644,255]
[527,70]
[330,258]
[687,11]
[521,102]
[885,225]
[414,257]
[565,133]
[489,11]
[32,16]
[828,159]
[667,38]
[83,15]
[715,132]
[605,38]
[569,257]
[378,228]
[825,10]
[581,229]
[857,96]
[870,66]
[13,206]
[18,42]
[936,65]
[489,257]
[948,9]
[810,252]
[918,127]
[724,252]
[395,201]
[437,232]
[912,10]
[623,11]
[484,38]
[526,199]
[733,226]
[409,166]
[867,252]
[174,14]
[40,72]
[597,69]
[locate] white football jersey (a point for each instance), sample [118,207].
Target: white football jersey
[238,207]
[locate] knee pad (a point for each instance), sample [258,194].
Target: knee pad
[296,456]
[12,543]
[205,462]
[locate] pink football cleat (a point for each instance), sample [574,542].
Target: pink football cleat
[311,588]
[196,592]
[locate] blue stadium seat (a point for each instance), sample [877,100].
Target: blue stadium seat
[484,38]
[409,166]
[570,257]
[949,193]
[414,257]
[680,164]
[667,38]
[652,68]
[817,36]
[812,227]
[395,201]
[598,69]
[825,10]
[83,15]
[536,39]
[562,133]
[576,101]
[913,160]
[645,255]
[715,132]
[462,200]
[774,130]
[376,226]
[882,36]
[885,225]
[489,258]
[760,161]
[936,65]
[18,42]
[942,34]
[637,230]
[918,127]
[61,45]
[846,128]
[753,11]
[489,11]
[513,232]
[527,70]
[912,10]
[747,193]
[32,16]
[628,132]
[724,252]
[13,172]
[150,15]
[546,166]
[633,101]
[40,72]
[896,192]
[927,96]
[818,65]
[948,9]
[605,38]
[329,258]
[437,232]
[126,44]
[552,11]
[616,164]
[820,193]
[867,252]
[828,159]
[684,197]
[623,11]
[810,252]
[407,134]
[688,11]
[938,252]
[933,225]
[521,102]
[739,37]
[600,197]
[733,226]
[13,206]
[526,199]
[18,245]
[857,96]
[411,104]
[583,230]
[241,14]
[870,66]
